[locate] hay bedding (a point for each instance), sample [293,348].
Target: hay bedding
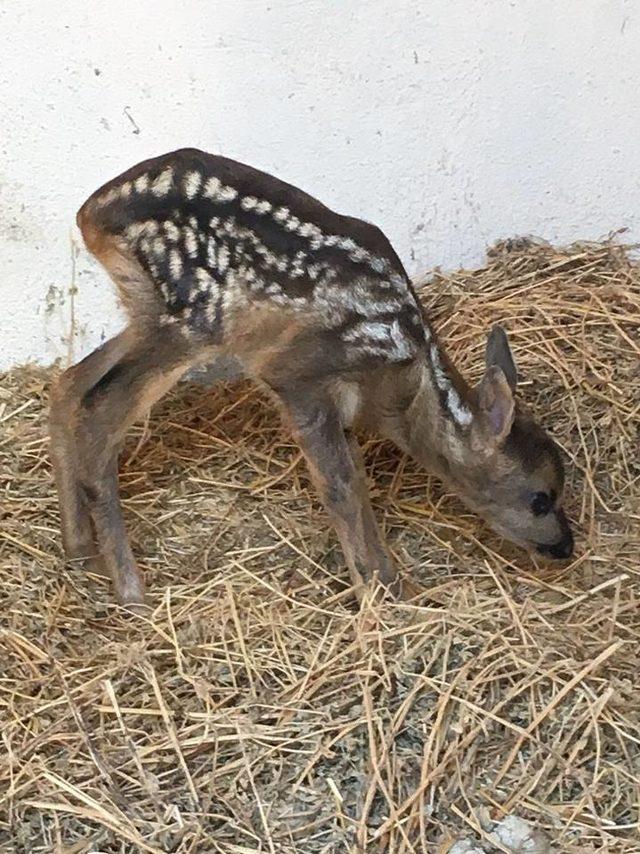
[258,708]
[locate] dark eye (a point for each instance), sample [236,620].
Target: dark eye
[541,504]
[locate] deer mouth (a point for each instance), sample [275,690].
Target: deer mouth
[561,550]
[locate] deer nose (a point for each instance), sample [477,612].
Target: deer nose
[560,550]
[563,549]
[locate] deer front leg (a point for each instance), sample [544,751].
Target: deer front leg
[339,476]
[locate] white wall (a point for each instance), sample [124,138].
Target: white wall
[449,123]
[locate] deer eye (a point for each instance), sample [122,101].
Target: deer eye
[541,504]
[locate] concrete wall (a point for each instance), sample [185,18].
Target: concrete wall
[450,124]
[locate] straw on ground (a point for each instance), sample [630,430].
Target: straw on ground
[259,708]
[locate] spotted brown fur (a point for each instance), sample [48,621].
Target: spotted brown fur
[216,262]
[215,235]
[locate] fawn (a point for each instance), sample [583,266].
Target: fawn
[214,259]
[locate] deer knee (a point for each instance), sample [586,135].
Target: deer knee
[340,483]
[338,492]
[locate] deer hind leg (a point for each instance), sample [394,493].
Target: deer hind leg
[107,393]
[78,535]
[336,468]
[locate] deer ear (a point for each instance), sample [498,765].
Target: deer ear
[496,404]
[498,353]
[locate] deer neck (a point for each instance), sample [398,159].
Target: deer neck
[428,413]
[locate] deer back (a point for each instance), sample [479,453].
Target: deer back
[223,243]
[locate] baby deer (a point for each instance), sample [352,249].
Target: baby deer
[214,259]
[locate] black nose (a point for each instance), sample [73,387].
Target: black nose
[560,550]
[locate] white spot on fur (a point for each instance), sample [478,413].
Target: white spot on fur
[358,298]
[163,183]
[175,264]
[442,381]
[297,268]
[460,413]
[367,330]
[214,189]
[281,214]
[248,203]
[264,207]
[192,183]
[227,194]
[223,257]
[292,223]
[280,299]
[171,230]
[230,296]
[125,190]
[232,229]
[212,260]
[141,184]
[190,242]
[108,197]
[268,258]
[380,338]
[159,247]
[250,276]
[204,279]
[308,229]
[168,320]
[397,281]
[135,230]
[404,348]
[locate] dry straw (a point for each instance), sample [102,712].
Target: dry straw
[258,708]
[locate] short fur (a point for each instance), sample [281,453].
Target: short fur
[216,261]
